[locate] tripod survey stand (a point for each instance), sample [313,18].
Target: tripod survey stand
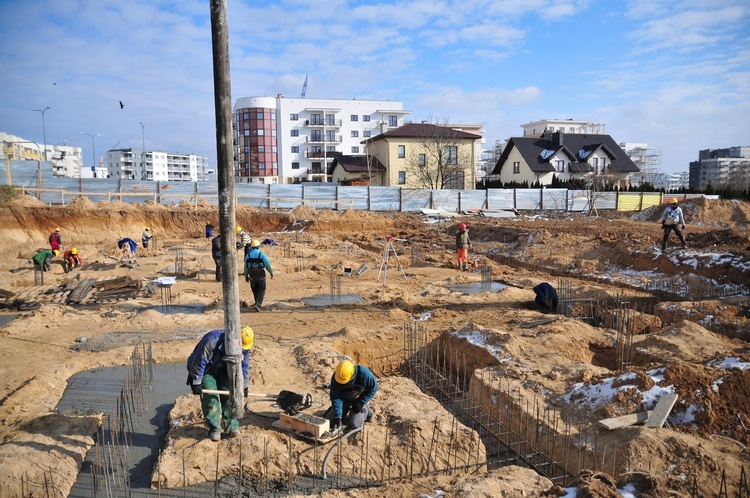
[385,261]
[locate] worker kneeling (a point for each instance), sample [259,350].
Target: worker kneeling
[352,387]
[208,370]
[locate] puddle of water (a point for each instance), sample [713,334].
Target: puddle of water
[6,319]
[328,300]
[477,287]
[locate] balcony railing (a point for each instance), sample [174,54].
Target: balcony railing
[323,140]
[319,155]
[319,123]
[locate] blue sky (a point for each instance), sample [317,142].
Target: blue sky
[671,73]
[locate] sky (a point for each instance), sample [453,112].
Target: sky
[673,74]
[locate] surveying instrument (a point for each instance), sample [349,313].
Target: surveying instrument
[386,255]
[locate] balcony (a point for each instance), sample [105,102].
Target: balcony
[319,155]
[319,123]
[323,140]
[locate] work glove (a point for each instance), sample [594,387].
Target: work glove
[358,406]
[246,391]
[247,278]
[197,389]
[271,276]
[683,227]
[189,380]
[336,424]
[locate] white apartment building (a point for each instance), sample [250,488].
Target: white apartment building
[722,168]
[281,140]
[537,128]
[66,161]
[134,164]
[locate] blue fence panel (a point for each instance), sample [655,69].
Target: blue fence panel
[320,197]
[473,199]
[353,198]
[578,200]
[412,200]
[285,196]
[445,199]
[386,198]
[529,199]
[500,198]
[605,200]
[252,194]
[555,199]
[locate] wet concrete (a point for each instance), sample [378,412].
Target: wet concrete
[477,287]
[98,390]
[319,300]
[173,309]
[6,319]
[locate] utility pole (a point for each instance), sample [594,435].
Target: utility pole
[44,130]
[225,173]
[144,176]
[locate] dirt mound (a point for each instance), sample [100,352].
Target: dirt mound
[26,201]
[80,205]
[116,206]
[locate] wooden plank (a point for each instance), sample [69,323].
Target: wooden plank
[536,323]
[661,411]
[625,420]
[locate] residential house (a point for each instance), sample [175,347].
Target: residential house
[565,156]
[425,155]
[356,170]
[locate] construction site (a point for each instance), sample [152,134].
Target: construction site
[635,384]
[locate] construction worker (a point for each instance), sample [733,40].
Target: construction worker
[352,387]
[243,240]
[127,248]
[463,244]
[209,230]
[146,237]
[256,264]
[55,240]
[216,254]
[72,259]
[208,370]
[43,258]
[671,220]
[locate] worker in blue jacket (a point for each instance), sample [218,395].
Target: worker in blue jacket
[208,370]
[352,387]
[256,265]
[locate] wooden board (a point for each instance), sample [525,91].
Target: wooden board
[661,410]
[625,420]
[306,435]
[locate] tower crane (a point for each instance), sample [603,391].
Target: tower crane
[304,88]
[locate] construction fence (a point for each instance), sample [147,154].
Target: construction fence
[39,182]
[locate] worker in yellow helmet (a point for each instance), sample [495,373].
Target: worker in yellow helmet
[352,388]
[43,258]
[208,370]
[243,240]
[55,240]
[146,237]
[71,259]
[671,219]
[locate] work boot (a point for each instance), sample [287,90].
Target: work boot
[234,432]
[465,268]
[256,306]
[214,435]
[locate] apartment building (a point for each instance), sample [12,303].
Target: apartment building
[282,140]
[65,160]
[721,168]
[136,164]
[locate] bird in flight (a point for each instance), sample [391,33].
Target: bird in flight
[122,106]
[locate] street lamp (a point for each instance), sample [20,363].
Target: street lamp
[44,131]
[143,151]
[93,149]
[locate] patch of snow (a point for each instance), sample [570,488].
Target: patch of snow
[479,338]
[730,363]
[715,385]
[686,417]
[628,491]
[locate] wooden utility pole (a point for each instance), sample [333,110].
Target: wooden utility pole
[225,170]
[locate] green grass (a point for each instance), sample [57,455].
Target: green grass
[7,193]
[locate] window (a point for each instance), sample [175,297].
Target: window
[261,148]
[516,167]
[560,165]
[315,136]
[596,165]
[422,160]
[353,117]
[315,119]
[366,117]
[455,180]
[247,133]
[261,133]
[246,115]
[604,164]
[366,133]
[295,165]
[273,132]
[330,148]
[355,149]
[402,151]
[295,148]
[355,133]
[393,121]
[261,180]
[273,114]
[260,115]
[402,177]
[293,117]
[451,154]
[295,133]
[330,119]
[330,135]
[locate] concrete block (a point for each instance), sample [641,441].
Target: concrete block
[302,422]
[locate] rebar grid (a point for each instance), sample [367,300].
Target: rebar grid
[179,261]
[486,273]
[335,288]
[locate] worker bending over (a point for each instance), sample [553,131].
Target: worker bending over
[72,259]
[352,387]
[208,370]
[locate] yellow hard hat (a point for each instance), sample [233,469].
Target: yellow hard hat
[148,228]
[57,229]
[673,201]
[255,243]
[74,251]
[239,229]
[55,252]
[248,336]
[344,372]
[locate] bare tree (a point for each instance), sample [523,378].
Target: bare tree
[440,158]
[596,185]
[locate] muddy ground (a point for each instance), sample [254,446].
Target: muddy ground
[547,365]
